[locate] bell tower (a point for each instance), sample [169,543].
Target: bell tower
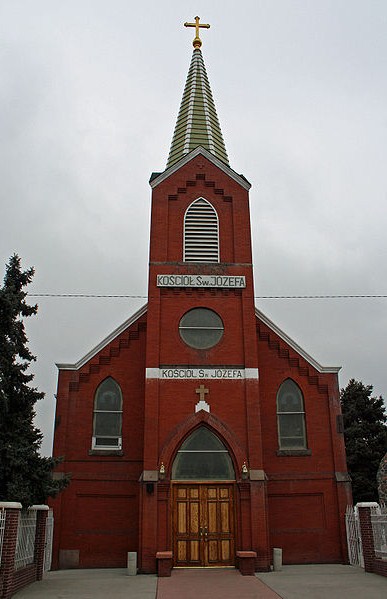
[201,357]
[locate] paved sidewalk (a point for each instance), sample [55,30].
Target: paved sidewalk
[328,581]
[91,584]
[325,581]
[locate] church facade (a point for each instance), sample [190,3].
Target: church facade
[198,426]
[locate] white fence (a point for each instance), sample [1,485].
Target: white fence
[48,542]
[379,529]
[25,545]
[355,548]
[26,532]
[2,527]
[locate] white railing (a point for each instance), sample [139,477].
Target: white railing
[2,528]
[379,529]
[48,541]
[25,546]
[355,548]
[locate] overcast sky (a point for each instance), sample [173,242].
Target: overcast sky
[89,94]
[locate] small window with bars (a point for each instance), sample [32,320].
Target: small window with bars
[201,233]
[107,424]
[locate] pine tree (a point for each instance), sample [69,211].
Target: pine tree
[25,475]
[365,433]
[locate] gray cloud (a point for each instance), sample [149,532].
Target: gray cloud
[88,100]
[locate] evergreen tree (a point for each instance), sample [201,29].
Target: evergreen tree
[25,475]
[365,433]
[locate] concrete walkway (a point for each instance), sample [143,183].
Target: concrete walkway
[91,584]
[331,581]
[325,581]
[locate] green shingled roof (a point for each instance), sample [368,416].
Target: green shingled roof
[197,123]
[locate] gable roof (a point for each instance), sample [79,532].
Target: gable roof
[93,352]
[132,319]
[323,369]
[158,178]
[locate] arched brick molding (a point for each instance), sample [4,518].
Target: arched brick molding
[184,429]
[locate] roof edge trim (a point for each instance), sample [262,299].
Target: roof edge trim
[295,346]
[120,329]
[243,182]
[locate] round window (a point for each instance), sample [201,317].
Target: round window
[201,328]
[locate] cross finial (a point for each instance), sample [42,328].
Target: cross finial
[202,392]
[197,41]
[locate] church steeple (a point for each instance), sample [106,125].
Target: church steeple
[197,122]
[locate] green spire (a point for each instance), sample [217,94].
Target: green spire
[197,123]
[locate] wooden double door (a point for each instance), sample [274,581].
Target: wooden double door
[203,525]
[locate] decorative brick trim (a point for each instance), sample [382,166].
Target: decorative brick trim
[192,183]
[293,360]
[111,352]
[187,426]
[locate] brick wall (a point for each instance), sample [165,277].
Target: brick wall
[371,562]
[12,580]
[297,502]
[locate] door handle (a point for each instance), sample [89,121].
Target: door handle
[205,533]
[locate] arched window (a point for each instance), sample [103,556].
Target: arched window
[203,457]
[201,233]
[291,416]
[107,422]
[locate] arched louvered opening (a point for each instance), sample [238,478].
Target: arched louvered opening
[201,232]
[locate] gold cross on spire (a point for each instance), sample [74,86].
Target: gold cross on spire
[197,41]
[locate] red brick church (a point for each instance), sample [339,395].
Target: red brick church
[198,426]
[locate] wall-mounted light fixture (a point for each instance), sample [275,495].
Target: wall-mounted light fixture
[245,471]
[162,471]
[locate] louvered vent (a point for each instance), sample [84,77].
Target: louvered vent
[201,233]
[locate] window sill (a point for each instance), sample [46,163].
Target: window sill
[106,452]
[294,452]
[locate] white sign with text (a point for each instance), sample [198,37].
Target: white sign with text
[183,373]
[201,281]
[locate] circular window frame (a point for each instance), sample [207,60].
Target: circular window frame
[189,333]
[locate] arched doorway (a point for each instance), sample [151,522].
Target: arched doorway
[203,508]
